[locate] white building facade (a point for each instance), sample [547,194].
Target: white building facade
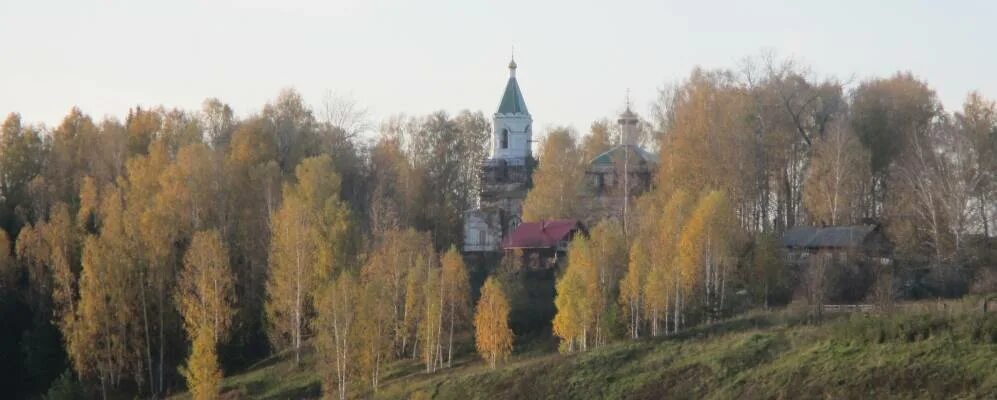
[505,175]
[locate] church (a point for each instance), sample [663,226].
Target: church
[612,179]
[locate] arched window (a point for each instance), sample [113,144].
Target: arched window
[504,139]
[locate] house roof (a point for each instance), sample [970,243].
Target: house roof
[543,234]
[512,99]
[617,153]
[825,237]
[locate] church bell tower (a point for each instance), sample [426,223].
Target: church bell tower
[505,175]
[513,131]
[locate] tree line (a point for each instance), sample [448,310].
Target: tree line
[131,243]
[151,254]
[746,154]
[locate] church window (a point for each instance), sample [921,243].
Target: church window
[504,140]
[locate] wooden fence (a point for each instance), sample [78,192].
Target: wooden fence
[842,308]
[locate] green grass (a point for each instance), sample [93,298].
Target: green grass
[914,354]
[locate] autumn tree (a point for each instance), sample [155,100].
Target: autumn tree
[706,250]
[218,121]
[709,123]
[815,282]
[395,266]
[205,293]
[456,296]
[838,174]
[632,296]
[791,108]
[21,158]
[8,266]
[768,272]
[335,339]
[252,196]
[107,338]
[557,181]
[430,324]
[446,152]
[598,141]
[155,227]
[205,298]
[395,186]
[887,114]
[492,335]
[308,247]
[375,330]
[934,185]
[292,123]
[578,297]
[667,287]
[203,372]
[977,123]
[609,257]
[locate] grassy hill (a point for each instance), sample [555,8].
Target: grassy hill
[945,351]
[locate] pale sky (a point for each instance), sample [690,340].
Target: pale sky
[576,58]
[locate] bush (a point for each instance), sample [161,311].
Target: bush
[985,281]
[980,329]
[65,388]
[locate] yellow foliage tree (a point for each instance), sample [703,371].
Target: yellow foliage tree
[492,335]
[205,298]
[456,295]
[632,288]
[307,248]
[203,374]
[839,169]
[293,276]
[399,254]
[336,337]
[705,249]
[106,338]
[374,330]
[205,293]
[609,259]
[431,323]
[664,288]
[557,181]
[578,297]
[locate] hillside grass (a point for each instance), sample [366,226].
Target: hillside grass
[919,352]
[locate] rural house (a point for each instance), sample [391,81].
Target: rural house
[543,244]
[842,242]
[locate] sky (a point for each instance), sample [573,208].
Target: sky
[577,59]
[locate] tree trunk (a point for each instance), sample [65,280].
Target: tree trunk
[984,216]
[148,344]
[450,341]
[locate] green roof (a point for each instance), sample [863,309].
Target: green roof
[615,153]
[512,99]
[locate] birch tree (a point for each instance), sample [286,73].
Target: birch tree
[706,248]
[335,335]
[306,250]
[838,173]
[557,181]
[456,296]
[492,336]
[205,293]
[577,298]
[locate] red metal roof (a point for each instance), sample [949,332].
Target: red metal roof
[542,234]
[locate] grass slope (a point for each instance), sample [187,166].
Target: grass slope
[761,355]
